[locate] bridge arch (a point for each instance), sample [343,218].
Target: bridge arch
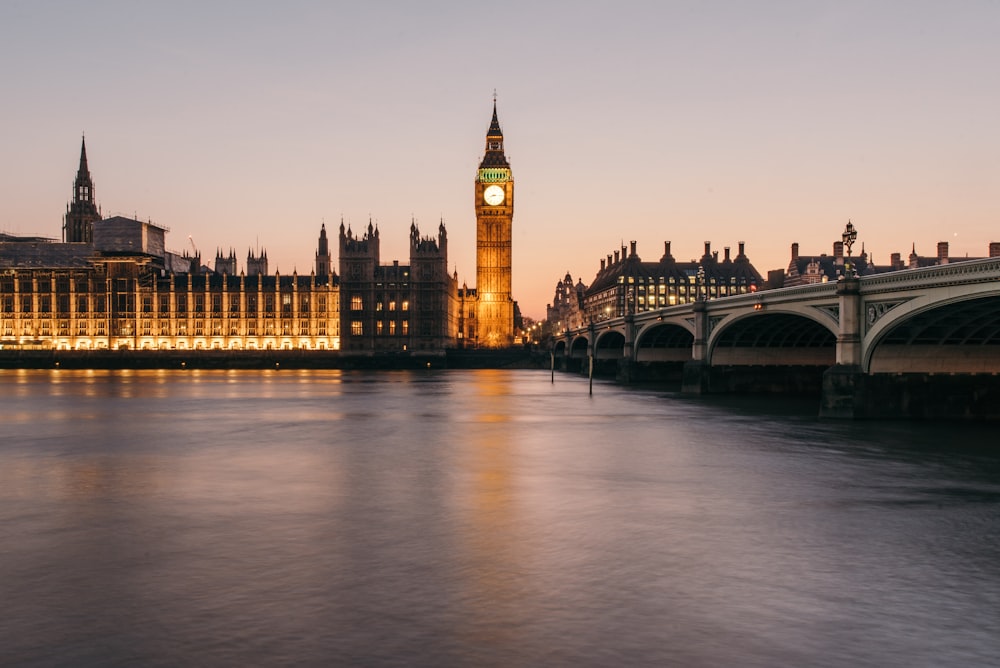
[950,335]
[610,344]
[578,350]
[664,342]
[774,338]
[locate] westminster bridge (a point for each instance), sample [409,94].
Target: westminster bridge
[911,343]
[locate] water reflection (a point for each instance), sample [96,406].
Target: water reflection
[497,580]
[480,518]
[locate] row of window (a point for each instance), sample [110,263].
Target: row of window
[127,327]
[125,302]
[358,304]
[382,328]
[673,280]
[390,329]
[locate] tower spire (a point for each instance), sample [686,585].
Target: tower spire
[494,156]
[79,223]
[495,130]
[83,188]
[84,171]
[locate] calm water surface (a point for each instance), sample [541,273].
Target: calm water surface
[481,518]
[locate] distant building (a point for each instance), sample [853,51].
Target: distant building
[566,309]
[942,257]
[625,284]
[808,269]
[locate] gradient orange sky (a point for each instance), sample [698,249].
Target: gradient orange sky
[248,124]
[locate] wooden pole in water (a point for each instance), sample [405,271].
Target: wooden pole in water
[591,374]
[552,363]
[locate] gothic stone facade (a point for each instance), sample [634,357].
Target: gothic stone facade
[494,200]
[112,284]
[130,301]
[396,307]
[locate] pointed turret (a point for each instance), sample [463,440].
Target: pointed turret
[84,171]
[324,264]
[82,213]
[225,264]
[257,263]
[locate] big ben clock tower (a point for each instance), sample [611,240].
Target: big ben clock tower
[494,213]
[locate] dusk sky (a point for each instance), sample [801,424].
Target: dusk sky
[248,124]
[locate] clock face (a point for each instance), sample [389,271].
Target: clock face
[493,195]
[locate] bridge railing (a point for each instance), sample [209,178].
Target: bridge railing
[961,272]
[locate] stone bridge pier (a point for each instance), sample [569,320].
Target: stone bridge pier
[841,396]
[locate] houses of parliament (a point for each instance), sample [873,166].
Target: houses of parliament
[111,284]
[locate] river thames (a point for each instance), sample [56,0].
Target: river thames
[481,518]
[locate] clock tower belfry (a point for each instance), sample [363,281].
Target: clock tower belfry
[494,213]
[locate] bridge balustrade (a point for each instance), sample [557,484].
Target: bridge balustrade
[935,320]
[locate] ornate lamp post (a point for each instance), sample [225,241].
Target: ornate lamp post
[849,236]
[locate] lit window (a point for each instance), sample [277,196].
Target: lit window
[356,303]
[356,328]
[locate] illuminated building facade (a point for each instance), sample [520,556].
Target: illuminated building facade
[85,296]
[625,284]
[493,325]
[111,284]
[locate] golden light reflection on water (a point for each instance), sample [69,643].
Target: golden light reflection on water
[78,479]
[495,548]
[118,407]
